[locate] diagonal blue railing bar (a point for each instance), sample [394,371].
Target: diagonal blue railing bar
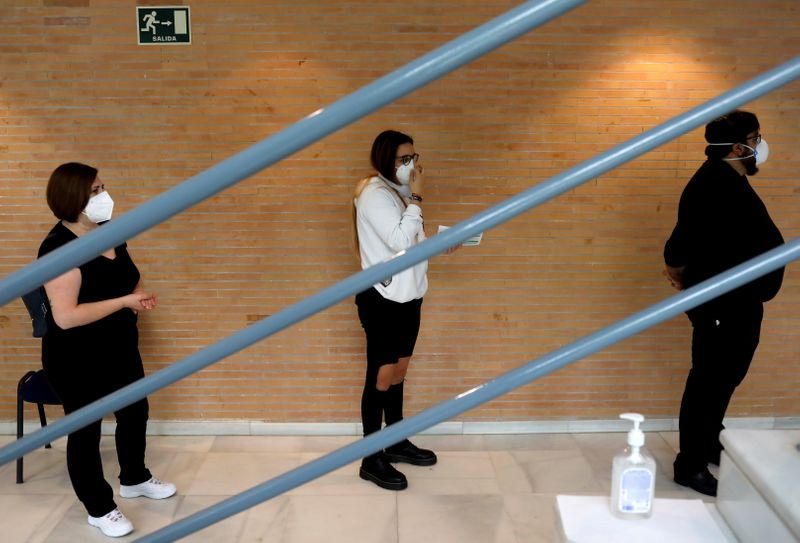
[319,124]
[484,220]
[507,382]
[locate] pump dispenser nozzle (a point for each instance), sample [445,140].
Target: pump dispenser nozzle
[635,436]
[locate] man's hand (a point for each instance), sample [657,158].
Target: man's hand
[675,276]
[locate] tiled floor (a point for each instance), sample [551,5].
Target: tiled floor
[485,489]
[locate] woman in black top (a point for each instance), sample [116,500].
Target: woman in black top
[91,347]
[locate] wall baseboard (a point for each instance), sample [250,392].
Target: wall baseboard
[253,428]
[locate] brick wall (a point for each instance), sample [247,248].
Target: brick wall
[74,86]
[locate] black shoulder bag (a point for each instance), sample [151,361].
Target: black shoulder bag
[38,306]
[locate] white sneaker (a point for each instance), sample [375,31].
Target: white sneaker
[155,489]
[113,524]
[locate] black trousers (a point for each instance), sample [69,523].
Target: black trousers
[723,346]
[78,389]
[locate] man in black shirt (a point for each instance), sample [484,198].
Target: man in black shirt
[721,223]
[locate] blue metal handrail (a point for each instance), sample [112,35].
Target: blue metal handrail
[358,282]
[666,309]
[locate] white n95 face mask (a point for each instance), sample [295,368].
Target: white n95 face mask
[403,173]
[762,152]
[99,208]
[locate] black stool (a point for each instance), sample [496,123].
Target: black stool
[33,388]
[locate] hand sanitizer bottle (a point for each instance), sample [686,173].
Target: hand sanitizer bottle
[633,475]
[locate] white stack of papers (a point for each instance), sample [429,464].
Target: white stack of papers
[469,242]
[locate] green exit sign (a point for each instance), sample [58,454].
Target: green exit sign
[163,25]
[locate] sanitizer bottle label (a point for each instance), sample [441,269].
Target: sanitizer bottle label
[634,495]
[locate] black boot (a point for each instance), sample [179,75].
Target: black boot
[407,452]
[376,468]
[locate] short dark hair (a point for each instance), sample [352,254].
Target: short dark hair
[384,152]
[69,190]
[731,128]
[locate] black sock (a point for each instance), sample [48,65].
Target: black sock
[372,404]
[393,406]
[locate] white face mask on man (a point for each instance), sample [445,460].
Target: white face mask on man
[403,172]
[99,208]
[761,151]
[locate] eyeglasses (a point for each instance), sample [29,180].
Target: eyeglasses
[756,139]
[406,159]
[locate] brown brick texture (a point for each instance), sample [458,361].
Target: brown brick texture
[75,86]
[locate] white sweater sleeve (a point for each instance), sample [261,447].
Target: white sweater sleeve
[398,229]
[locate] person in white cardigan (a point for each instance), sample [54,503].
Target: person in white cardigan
[387,217]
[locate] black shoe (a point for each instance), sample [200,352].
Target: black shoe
[702,481]
[376,468]
[407,452]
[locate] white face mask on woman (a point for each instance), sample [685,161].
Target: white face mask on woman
[403,173]
[99,208]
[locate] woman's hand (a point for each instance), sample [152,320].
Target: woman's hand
[417,180]
[147,303]
[140,301]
